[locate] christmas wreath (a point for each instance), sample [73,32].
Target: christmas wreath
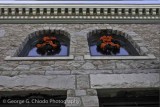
[48,45]
[107,45]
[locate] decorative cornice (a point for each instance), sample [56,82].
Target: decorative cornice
[80,13]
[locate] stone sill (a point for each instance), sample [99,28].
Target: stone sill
[10,58]
[149,56]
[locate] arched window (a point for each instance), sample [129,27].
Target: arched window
[45,43]
[108,42]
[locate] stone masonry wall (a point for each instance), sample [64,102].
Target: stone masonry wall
[11,36]
[79,76]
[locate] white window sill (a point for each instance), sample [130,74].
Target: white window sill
[149,56]
[10,58]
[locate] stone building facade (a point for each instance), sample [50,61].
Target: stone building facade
[83,78]
[80,77]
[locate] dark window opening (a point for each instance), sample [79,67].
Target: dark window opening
[128,98]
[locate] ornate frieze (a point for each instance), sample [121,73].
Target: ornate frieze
[80,12]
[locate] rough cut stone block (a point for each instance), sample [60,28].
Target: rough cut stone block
[60,63]
[143,50]
[82,81]
[72,50]
[4,67]
[6,73]
[70,93]
[2,33]
[151,56]
[131,71]
[137,39]
[57,72]
[37,82]
[74,63]
[122,66]
[125,71]
[124,80]
[52,27]
[26,62]
[127,36]
[79,58]
[90,101]
[140,44]
[82,72]
[14,73]
[36,72]
[132,33]
[1,72]
[80,92]
[22,67]
[91,92]
[73,102]
[108,66]
[88,66]
[46,28]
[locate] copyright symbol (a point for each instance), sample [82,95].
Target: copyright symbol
[4,101]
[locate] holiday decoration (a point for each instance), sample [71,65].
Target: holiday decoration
[108,45]
[48,45]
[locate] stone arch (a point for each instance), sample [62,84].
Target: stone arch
[30,41]
[119,34]
[95,33]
